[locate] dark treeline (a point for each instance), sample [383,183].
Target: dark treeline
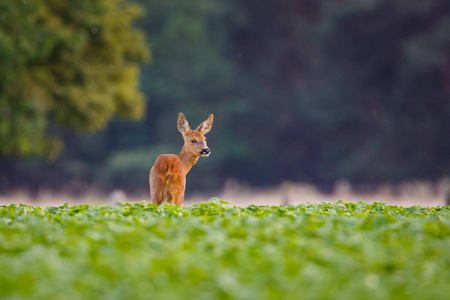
[302,90]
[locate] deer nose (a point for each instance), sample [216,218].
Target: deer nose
[205,151]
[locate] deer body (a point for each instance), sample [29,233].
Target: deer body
[168,175]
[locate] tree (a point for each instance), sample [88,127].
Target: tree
[352,89]
[306,90]
[69,64]
[190,74]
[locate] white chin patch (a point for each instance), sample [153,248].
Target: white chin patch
[206,154]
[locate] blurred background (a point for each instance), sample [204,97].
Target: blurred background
[313,99]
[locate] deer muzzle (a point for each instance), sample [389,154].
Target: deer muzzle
[205,152]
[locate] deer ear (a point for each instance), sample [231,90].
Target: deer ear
[183,125]
[205,127]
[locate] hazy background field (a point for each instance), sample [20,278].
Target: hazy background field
[314,100]
[288,193]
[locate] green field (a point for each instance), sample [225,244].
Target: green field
[213,251]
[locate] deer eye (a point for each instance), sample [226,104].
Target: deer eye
[194,141]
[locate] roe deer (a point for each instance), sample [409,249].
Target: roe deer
[168,175]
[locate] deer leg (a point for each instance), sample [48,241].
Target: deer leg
[178,192]
[156,189]
[157,196]
[177,197]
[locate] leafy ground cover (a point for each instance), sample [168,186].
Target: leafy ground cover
[213,251]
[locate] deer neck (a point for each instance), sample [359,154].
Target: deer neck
[188,160]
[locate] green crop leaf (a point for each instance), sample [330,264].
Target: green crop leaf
[214,251]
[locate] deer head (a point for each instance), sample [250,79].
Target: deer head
[195,140]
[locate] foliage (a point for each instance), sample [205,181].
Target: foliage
[69,63]
[301,90]
[212,251]
[346,89]
[304,90]
[130,167]
[191,73]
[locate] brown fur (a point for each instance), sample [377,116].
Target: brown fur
[167,177]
